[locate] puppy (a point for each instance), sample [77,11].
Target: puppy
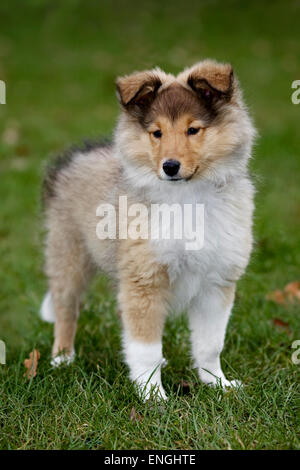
[179,140]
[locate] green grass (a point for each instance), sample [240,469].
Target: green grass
[59,61]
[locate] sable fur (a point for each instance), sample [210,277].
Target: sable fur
[155,277]
[62,161]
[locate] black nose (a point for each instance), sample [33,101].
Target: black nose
[171,167]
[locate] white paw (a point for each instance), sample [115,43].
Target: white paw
[218,380]
[224,383]
[151,391]
[145,361]
[62,359]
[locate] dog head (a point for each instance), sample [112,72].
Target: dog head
[189,127]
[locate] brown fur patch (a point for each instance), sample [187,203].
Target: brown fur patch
[176,144]
[175,101]
[136,87]
[213,82]
[218,76]
[144,290]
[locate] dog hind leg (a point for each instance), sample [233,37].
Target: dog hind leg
[47,310]
[68,268]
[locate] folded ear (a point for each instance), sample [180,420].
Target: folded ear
[137,91]
[213,82]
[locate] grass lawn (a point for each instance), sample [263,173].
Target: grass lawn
[59,61]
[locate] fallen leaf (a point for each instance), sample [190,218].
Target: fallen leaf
[290,293]
[32,363]
[276,296]
[292,290]
[22,150]
[134,416]
[281,324]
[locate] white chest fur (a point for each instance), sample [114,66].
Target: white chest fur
[226,244]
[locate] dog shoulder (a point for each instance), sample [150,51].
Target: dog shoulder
[71,162]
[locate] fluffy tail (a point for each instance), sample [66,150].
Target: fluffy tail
[47,310]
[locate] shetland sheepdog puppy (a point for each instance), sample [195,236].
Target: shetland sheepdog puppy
[179,140]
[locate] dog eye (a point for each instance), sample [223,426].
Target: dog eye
[157,134]
[192,131]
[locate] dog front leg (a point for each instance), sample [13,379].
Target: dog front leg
[208,318]
[143,303]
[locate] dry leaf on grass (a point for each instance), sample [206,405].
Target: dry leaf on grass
[276,296]
[289,294]
[282,325]
[22,150]
[32,363]
[292,291]
[134,416]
